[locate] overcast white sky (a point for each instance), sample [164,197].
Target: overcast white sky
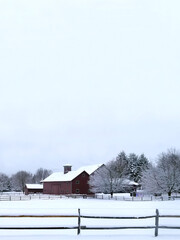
[82,80]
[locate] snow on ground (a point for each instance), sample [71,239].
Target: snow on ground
[88,207]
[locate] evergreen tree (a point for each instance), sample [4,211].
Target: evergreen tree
[136,166]
[132,166]
[142,165]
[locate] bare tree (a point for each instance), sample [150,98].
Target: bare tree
[120,164]
[165,176]
[41,174]
[20,179]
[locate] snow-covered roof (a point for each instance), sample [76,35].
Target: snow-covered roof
[34,186]
[61,177]
[129,182]
[90,169]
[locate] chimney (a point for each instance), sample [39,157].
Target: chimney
[67,168]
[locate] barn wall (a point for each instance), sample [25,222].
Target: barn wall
[57,188]
[26,191]
[80,184]
[31,191]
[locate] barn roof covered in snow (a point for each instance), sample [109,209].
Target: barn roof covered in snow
[34,186]
[90,169]
[61,177]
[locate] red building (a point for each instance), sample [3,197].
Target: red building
[33,188]
[69,182]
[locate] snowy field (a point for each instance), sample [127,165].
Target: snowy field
[88,207]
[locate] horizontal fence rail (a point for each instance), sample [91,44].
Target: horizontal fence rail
[80,227]
[156,226]
[38,227]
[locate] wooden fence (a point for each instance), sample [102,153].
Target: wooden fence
[22,197]
[80,227]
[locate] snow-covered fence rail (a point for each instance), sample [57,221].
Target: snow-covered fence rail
[156,226]
[39,227]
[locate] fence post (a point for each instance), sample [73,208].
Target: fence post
[79,222]
[156,223]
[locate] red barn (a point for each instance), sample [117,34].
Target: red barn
[69,182]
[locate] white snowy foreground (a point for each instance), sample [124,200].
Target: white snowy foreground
[88,207]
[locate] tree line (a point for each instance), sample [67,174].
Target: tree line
[17,181]
[164,175]
[117,175]
[160,177]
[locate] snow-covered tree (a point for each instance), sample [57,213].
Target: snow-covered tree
[4,182]
[165,176]
[107,180]
[136,166]
[113,177]
[150,181]
[132,166]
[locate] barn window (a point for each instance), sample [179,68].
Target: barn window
[77,190]
[83,175]
[77,182]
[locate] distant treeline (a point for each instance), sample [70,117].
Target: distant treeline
[17,181]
